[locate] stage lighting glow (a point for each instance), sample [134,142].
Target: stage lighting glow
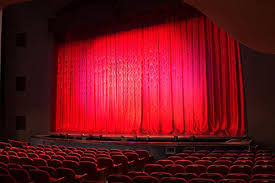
[182,77]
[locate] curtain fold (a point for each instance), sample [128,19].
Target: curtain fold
[182,77]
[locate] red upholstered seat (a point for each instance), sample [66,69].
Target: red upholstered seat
[119,178]
[201,180]
[183,155]
[32,155]
[183,162]
[4,158]
[206,163]
[172,180]
[7,179]
[72,165]
[232,181]
[243,162]
[90,168]
[245,177]
[105,163]
[4,171]
[150,168]
[160,175]
[69,175]
[195,168]
[134,174]
[72,158]
[223,162]
[41,176]
[173,169]
[245,169]
[210,158]
[186,176]
[145,179]
[3,165]
[26,161]
[230,158]
[44,156]
[174,158]
[265,162]
[50,170]
[263,176]
[197,154]
[14,165]
[39,162]
[222,169]
[122,161]
[58,157]
[192,158]
[214,176]
[165,162]
[262,181]
[54,163]
[263,169]
[21,175]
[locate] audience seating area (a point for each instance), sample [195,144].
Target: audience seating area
[20,162]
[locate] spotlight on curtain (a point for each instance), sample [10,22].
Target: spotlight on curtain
[182,77]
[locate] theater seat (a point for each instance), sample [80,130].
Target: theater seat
[134,174]
[7,179]
[50,170]
[262,181]
[160,175]
[232,181]
[39,162]
[201,180]
[186,176]
[222,169]
[263,176]
[214,176]
[174,158]
[184,162]
[245,169]
[245,177]
[54,163]
[263,169]
[21,175]
[4,171]
[172,180]
[150,168]
[41,176]
[195,168]
[69,175]
[4,158]
[119,178]
[165,162]
[145,179]
[173,169]
[90,168]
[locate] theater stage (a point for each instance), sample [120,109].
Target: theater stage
[159,146]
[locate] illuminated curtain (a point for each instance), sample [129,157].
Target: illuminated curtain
[182,77]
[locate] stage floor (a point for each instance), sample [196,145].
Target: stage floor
[159,146]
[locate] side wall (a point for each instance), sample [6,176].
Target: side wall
[259,80]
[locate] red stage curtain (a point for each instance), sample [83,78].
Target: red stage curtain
[182,77]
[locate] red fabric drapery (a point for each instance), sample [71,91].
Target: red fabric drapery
[182,77]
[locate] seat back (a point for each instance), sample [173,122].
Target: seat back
[21,175]
[90,168]
[119,178]
[172,180]
[145,179]
[150,168]
[40,176]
